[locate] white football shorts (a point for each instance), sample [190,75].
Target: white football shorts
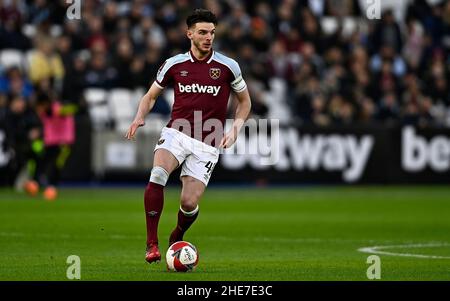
[197,159]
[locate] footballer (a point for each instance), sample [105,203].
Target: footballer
[202,80]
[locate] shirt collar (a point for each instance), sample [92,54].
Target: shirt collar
[208,59]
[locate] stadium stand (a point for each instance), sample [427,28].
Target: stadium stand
[321,63]
[12,58]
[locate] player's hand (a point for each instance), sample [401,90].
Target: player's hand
[133,128]
[228,140]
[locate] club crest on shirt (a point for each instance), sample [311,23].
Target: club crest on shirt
[214,73]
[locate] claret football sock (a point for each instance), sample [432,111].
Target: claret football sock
[185,220]
[153,203]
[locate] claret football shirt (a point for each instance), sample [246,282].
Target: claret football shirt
[202,89]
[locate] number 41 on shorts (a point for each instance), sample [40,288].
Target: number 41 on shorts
[209,166]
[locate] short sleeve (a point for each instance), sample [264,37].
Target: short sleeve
[238,83]
[163,76]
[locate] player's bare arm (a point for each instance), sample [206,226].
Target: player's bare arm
[242,112]
[145,105]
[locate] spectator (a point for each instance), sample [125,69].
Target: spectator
[414,44]
[15,83]
[99,74]
[387,32]
[10,12]
[278,62]
[387,53]
[410,114]
[319,116]
[385,81]
[389,109]
[122,62]
[11,35]
[148,33]
[72,30]
[58,134]
[341,8]
[151,65]
[259,108]
[367,111]
[95,32]
[74,83]
[38,12]
[413,92]
[310,30]
[260,35]
[22,129]
[46,63]
[110,17]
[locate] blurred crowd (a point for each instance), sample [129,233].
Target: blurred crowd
[393,71]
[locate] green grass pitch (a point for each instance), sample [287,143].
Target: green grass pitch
[304,233]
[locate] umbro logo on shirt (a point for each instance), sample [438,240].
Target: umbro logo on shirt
[184,73]
[196,88]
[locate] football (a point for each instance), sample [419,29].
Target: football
[182,256]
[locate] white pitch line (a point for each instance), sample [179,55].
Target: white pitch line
[370,250]
[215,238]
[376,250]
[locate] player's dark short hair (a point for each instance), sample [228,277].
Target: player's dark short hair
[201,15]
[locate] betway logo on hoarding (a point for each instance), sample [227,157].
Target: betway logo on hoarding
[331,152]
[419,153]
[416,155]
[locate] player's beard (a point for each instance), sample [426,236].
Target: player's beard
[198,45]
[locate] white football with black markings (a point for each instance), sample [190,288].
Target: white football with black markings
[182,256]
